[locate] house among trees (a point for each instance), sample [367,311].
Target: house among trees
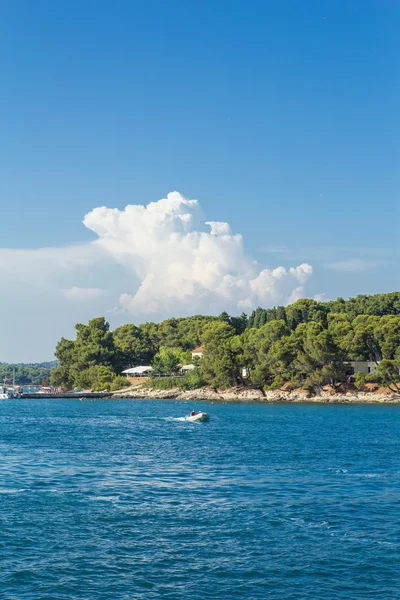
[365,367]
[198,352]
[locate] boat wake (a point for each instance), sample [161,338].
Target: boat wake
[186,419]
[181,419]
[165,418]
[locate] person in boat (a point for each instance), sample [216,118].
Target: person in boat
[193,413]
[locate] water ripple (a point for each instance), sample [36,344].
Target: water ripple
[119,500]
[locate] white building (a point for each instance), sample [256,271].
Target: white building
[361,366]
[198,352]
[138,371]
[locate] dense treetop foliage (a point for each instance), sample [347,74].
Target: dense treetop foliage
[307,343]
[305,310]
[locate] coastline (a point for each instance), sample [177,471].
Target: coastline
[256,396]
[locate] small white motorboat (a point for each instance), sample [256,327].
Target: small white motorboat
[200,416]
[5,393]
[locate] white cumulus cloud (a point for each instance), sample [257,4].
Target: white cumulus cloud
[185,266]
[150,261]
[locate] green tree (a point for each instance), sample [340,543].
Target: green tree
[306,310]
[193,379]
[218,362]
[61,377]
[283,354]
[365,341]
[191,330]
[94,344]
[359,380]
[342,333]
[64,375]
[239,324]
[387,335]
[96,377]
[167,360]
[388,373]
[256,344]
[93,347]
[133,347]
[224,316]
[320,360]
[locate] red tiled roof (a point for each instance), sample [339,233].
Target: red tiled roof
[199,349]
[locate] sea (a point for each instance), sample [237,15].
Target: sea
[126,500]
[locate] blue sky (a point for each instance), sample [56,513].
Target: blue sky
[280,118]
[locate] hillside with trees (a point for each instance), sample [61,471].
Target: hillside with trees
[26,373]
[307,343]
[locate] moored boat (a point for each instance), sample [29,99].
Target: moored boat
[5,393]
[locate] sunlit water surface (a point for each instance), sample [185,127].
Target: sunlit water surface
[123,500]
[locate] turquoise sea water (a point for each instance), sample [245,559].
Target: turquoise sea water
[121,500]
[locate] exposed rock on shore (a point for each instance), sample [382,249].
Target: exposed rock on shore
[251,395]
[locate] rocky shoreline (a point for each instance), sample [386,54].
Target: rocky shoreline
[251,395]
